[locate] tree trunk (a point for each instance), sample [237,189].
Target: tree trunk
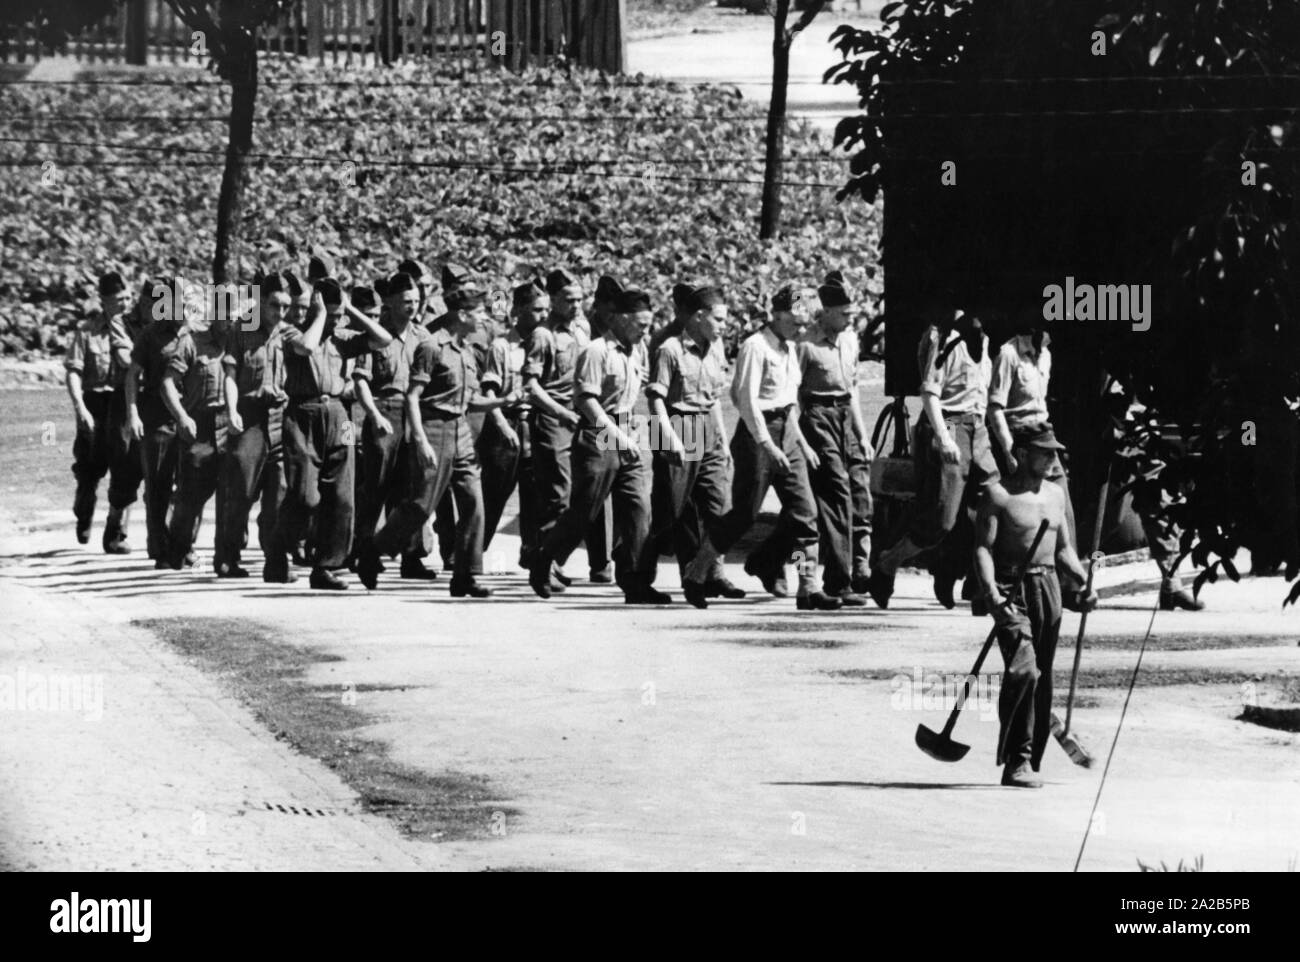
[770,222]
[230,204]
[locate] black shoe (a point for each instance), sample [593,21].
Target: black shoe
[1182,598]
[83,532]
[721,588]
[696,593]
[118,546]
[859,583]
[851,599]
[231,571]
[368,570]
[644,594]
[413,569]
[299,559]
[161,564]
[1020,775]
[817,601]
[189,560]
[539,579]
[979,607]
[280,574]
[881,588]
[469,588]
[324,580]
[943,585]
[773,580]
[558,576]
[601,576]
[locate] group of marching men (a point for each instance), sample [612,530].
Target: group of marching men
[334,408]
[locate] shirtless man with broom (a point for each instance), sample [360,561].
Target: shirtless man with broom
[1028,620]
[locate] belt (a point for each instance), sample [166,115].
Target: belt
[316,399]
[961,416]
[679,412]
[429,415]
[775,414]
[391,398]
[1033,571]
[813,401]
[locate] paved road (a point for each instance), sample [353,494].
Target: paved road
[746,737]
[741,54]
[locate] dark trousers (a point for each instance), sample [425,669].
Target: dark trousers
[943,513]
[504,467]
[755,472]
[197,474]
[457,472]
[843,499]
[687,499]
[553,468]
[158,452]
[385,468]
[1027,634]
[252,469]
[598,476]
[109,450]
[318,463]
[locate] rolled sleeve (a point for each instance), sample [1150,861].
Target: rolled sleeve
[293,342]
[540,352]
[363,370]
[179,360]
[494,375]
[76,359]
[932,377]
[1000,383]
[590,371]
[422,364]
[666,366]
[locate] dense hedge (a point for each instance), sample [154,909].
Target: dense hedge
[61,226]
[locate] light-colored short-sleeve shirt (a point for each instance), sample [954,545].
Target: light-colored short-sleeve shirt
[611,373]
[1020,379]
[958,381]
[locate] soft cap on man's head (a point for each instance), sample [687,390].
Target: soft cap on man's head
[528,294]
[632,302]
[464,298]
[416,269]
[608,289]
[111,283]
[364,298]
[295,285]
[559,279]
[320,267]
[703,299]
[682,297]
[454,276]
[832,292]
[783,300]
[330,292]
[1038,436]
[274,283]
[400,283]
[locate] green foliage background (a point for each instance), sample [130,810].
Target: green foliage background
[550,139]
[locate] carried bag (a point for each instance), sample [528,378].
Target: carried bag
[893,476]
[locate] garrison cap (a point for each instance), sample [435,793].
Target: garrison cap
[330,291]
[454,276]
[320,267]
[833,293]
[559,279]
[608,289]
[529,293]
[400,283]
[415,268]
[702,299]
[632,302]
[364,298]
[783,300]
[111,283]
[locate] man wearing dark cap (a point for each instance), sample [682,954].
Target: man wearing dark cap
[253,465]
[674,328]
[692,483]
[194,392]
[1029,619]
[148,416]
[565,292]
[95,383]
[318,443]
[320,267]
[769,450]
[503,445]
[383,379]
[443,388]
[602,304]
[607,461]
[830,417]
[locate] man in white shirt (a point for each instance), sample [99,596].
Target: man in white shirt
[768,450]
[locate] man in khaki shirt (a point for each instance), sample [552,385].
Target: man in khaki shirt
[769,450]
